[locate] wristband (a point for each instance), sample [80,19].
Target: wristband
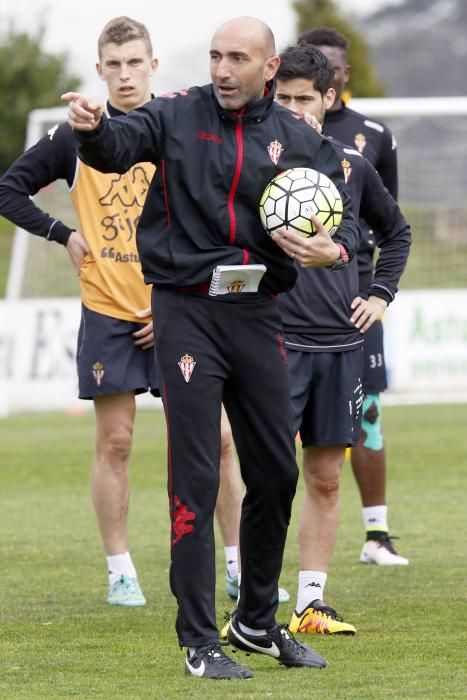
[342,261]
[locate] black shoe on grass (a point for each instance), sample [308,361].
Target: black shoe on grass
[210,661]
[278,642]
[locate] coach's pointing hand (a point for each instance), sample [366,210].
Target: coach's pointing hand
[83,113]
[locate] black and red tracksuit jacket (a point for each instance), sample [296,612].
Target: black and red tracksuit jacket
[212,167]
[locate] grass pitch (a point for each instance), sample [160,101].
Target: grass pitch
[59,639]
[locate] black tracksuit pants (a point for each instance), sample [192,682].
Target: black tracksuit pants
[228,349]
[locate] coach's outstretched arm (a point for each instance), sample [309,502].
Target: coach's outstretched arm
[114,145]
[83,113]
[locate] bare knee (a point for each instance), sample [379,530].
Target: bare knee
[114,430]
[322,470]
[322,476]
[114,447]
[325,486]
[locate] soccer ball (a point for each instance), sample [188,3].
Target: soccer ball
[293,195]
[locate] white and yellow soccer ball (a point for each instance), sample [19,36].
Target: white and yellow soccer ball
[293,195]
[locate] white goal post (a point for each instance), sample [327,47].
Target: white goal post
[407,106]
[39,121]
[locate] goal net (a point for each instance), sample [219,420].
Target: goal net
[431,134]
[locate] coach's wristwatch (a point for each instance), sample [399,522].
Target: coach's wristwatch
[342,260]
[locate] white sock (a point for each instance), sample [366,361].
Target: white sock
[119,565]
[310,587]
[231,560]
[375,518]
[252,632]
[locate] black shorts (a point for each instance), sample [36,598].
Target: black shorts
[108,360]
[326,391]
[374,367]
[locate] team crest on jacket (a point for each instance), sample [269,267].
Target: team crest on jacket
[347,168]
[360,142]
[187,366]
[98,372]
[275,150]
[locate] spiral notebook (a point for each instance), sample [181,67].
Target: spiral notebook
[234,279]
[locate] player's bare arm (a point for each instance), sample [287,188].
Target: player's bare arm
[145,336]
[315,251]
[367,311]
[77,248]
[83,113]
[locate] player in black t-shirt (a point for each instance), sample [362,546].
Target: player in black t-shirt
[324,318]
[375,141]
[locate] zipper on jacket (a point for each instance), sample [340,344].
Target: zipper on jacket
[236,178]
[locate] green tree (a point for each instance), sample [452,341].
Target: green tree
[30,79]
[317,13]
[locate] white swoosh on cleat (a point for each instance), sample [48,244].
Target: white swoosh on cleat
[273,650]
[196,671]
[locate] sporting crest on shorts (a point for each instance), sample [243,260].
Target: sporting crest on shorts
[187,365]
[98,372]
[347,168]
[275,150]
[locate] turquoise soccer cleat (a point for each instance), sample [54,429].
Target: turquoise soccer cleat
[127,592]
[231,586]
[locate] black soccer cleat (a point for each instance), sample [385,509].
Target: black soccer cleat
[210,661]
[279,643]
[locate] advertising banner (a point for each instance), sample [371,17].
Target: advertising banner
[425,333]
